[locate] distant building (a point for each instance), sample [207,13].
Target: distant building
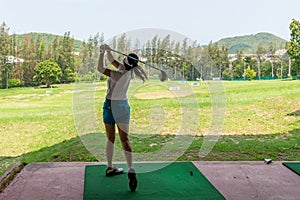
[267,56]
[76,53]
[280,52]
[12,59]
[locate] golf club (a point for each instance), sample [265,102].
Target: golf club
[162,74]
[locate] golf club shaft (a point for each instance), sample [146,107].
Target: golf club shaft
[135,59]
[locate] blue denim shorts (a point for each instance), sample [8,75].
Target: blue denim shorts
[116,111]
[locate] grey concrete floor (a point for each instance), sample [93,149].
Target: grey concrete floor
[235,180]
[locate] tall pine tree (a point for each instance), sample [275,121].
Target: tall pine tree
[27,52]
[294,46]
[66,59]
[4,52]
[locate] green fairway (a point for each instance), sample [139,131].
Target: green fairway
[262,120]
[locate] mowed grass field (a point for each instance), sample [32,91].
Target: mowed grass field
[262,120]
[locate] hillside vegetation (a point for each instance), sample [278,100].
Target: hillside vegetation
[46,38]
[250,42]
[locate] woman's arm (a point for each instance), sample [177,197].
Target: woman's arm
[110,57]
[101,67]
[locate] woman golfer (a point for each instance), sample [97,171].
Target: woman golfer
[116,110]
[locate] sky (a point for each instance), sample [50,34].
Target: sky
[204,21]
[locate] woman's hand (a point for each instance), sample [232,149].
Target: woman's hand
[111,59]
[102,48]
[106,47]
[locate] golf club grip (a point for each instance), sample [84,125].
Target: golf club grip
[135,59]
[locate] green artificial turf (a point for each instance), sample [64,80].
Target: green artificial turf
[294,166]
[178,180]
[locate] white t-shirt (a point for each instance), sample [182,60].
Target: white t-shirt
[117,85]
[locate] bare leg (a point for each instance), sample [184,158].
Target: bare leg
[123,133]
[111,136]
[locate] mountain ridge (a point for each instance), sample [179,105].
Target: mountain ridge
[247,43]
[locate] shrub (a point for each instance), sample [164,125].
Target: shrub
[14,82]
[47,72]
[250,73]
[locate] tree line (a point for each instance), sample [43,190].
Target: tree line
[59,62]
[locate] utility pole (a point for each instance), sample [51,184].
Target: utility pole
[281,69]
[258,66]
[290,64]
[272,67]
[8,63]
[231,70]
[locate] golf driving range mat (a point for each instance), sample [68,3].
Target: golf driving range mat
[294,166]
[178,180]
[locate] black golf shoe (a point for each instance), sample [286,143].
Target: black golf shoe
[113,171]
[132,179]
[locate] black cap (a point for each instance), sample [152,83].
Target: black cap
[133,59]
